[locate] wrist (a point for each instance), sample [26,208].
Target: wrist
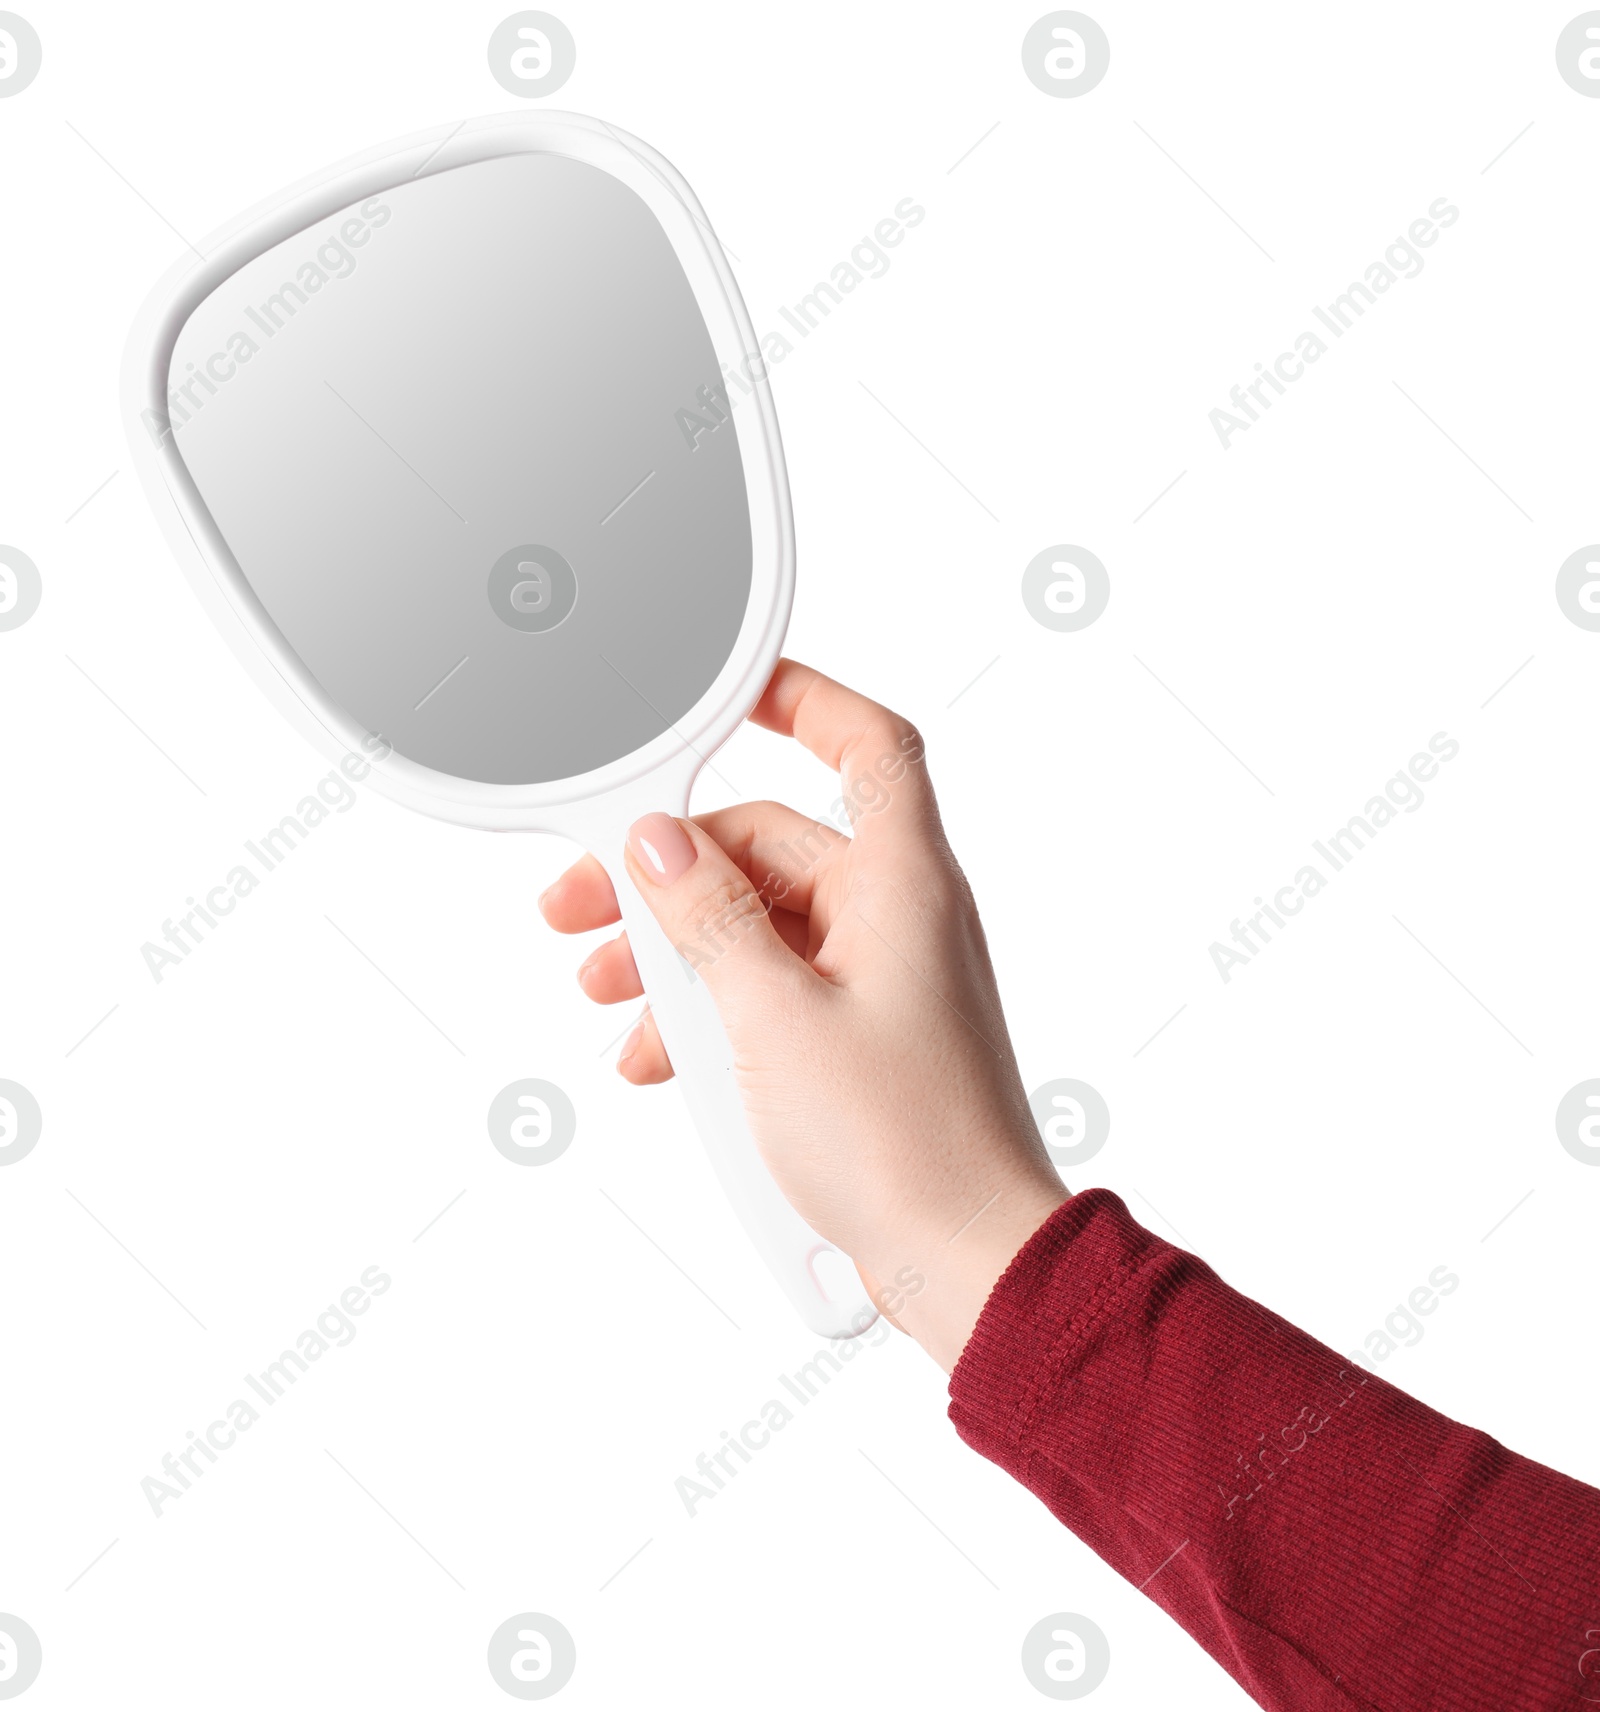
[956,1272]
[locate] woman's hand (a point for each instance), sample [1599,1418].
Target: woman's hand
[853,980]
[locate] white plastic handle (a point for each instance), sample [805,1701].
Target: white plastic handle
[702,1060]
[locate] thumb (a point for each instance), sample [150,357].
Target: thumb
[707,907]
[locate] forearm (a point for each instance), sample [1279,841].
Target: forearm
[1328,1539]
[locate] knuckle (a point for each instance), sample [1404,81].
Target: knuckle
[752,817]
[723,914]
[726,898]
[894,734]
[908,739]
[891,748]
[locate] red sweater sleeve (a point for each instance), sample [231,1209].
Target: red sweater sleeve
[1330,1541]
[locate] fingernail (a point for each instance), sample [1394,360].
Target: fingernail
[662,847]
[586,965]
[631,1044]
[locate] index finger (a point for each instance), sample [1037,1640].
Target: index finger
[877,754]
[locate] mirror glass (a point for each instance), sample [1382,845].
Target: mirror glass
[469,443]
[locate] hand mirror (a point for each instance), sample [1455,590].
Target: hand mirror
[468,448]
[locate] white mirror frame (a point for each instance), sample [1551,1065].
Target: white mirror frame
[222,587]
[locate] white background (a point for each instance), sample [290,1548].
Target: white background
[1326,1129]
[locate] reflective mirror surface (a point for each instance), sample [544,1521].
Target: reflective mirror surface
[468,443]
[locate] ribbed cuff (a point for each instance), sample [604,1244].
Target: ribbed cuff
[1065,1279]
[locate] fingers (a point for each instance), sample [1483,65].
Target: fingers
[878,755]
[609,978]
[778,848]
[711,912]
[714,911]
[580,899]
[643,1059]
[608,975]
